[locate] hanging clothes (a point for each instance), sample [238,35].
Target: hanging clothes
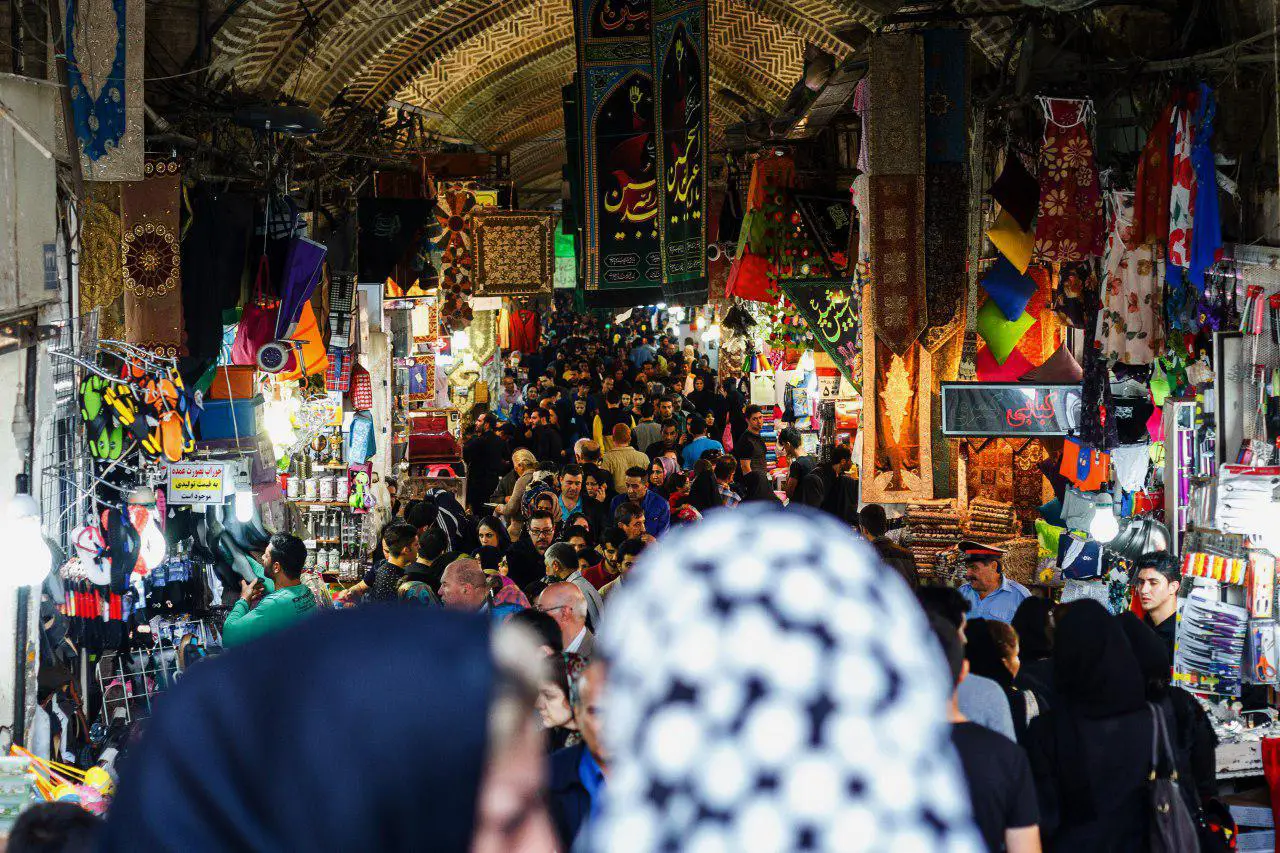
[1181,197]
[1206,237]
[1155,181]
[524,331]
[1070,223]
[1130,325]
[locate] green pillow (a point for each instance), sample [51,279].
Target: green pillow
[1001,333]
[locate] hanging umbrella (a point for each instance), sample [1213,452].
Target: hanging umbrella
[302,268]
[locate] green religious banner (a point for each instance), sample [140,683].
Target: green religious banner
[832,310]
[622,264]
[680,82]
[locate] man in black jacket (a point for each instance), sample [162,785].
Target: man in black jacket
[577,773]
[875,524]
[485,455]
[828,489]
[547,445]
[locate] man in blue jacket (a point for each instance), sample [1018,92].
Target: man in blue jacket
[657,512]
[577,773]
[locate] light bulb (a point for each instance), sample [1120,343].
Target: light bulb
[30,559]
[244,505]
[153,543]
[1104,527]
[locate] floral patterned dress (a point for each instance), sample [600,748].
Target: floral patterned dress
[1130,326]
[1069,227]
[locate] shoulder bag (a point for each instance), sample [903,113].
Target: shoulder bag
[1172,830]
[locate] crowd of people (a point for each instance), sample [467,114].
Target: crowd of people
[773,678]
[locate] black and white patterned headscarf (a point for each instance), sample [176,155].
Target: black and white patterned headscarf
[772,689]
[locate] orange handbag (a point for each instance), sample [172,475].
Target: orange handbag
[1085,466]
[315,356]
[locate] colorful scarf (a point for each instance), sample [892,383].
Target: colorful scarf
[1181,195]
[1155,182]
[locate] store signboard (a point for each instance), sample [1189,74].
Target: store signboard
[197,483]
[988,409]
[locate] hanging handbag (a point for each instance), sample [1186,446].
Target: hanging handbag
[258,322]
[1085,466]
[361,444]
[361,389]
[764,389]
[1171,829]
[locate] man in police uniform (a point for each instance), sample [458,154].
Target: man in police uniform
[990,594]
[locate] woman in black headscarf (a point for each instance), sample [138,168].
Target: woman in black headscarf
[245,751]
[1091,753]
[756,487]
[1035,647]
[1194,740]
[992,651]
[493,533]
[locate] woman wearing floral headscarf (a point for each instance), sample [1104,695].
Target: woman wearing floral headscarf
[768,690]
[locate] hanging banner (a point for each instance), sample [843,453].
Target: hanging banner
[830,309]
[896,141]
[150,228]
[828,220]
[681,115]
[946,214]
[623,264]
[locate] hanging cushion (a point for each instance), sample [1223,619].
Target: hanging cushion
[1017,191]
[1059,368]
[1008,288]
[1013,241]
[1001,333]
[990,370]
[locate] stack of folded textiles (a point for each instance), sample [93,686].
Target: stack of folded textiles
[991,521]
[932,528]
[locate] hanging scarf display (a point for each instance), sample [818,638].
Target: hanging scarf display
[682,119]
[1206,234]
[1069,227]
[1181,196]
[1154,183]
[152,268]
[304,262]
[619,152]
[897,189]
[104,75]
[1130,325]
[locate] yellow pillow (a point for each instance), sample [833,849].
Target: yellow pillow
[1014,243]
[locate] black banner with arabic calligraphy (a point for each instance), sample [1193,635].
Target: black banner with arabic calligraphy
[990,409]
[680,76]
[623,265]
[831,311]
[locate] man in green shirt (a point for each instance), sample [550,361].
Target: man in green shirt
[291,601]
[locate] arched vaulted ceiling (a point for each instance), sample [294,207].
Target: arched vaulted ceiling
[495,69]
